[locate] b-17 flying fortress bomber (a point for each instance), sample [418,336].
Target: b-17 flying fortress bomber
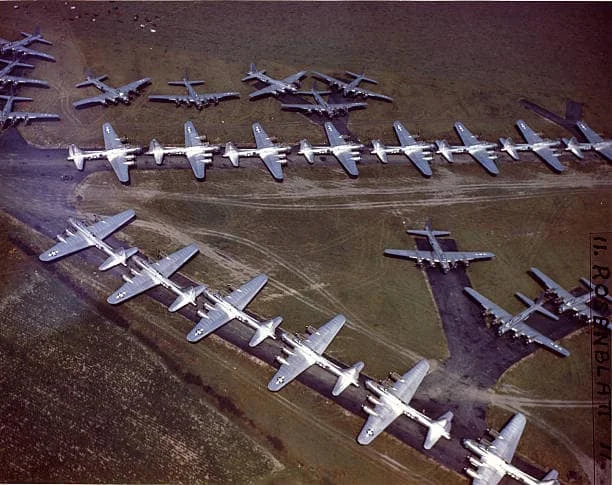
[20,47]
[109,94]
[7,79]
[10,117]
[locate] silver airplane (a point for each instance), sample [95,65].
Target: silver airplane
[542,148]
[19,47]
[481,151]
[306,352]
[81,236]
[109,94]
[446,259]
[230,307]
[120,155]
[596,142]
[419,153]
[274,156]
[515,323]
[192,98]
[321,106]
[10,117]
[199,153]
[391,400]
[276,86]
[352,88]
[494,459]
[6,79]
[568,302]
[345,152]
[150,275]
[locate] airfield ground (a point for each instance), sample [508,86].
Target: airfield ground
[319,235]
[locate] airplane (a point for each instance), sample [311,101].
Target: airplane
[596,142]
[273,156]
[446,259]
[109,94]
[198,152]
[93,235]
[115,151]
[19,47]
[569,302]
[393,399]
[230,307]
[494,459]
[276,86]
[321,106]
[418,152]
[199,100]
[542,148]
[6,79]
[8,116]
[150,275]
[306,352]
[481,151]
[515,323]
[346,153]
[352,88]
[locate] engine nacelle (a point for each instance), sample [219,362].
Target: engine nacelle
[281,360]
[472,473]
[369,410]
[126,278]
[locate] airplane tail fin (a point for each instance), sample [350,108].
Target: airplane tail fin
[118,257]
[232,153]
[361,77]
[379,151]
[437,429]
[188,295]
[76,155]
[306,150]
[157,150]
[252,74]
[537,305]
[347,377]
[508,146]
[265,330]
[37,32]
[551,478]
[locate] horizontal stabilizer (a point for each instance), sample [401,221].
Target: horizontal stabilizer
[232,153]
[537,305]
[379,151]
[347,377]
[361,77]
[437,429]
[119,257]
[265,330]
[188,295]
[157,150]
[90,80]
[76,155]
[416,232]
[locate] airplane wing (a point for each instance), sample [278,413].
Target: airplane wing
[296,364]
[120,167]
[263,91]
[404,137]
[169,97]
[24,115]
[320,340]
[333,136]
[458,256]
[466,135]
[241,297]
[170,264]
[505,444]
[488,476]
[303,107]
[109,225]
[548,155]
[111,139]
[418,158]
[552,285]
[485,160]
[198,160]
[26,51]
[328,79]
[272,163]
[488,305]
[134,85]
[371,94]
[589,133]
[100,98]
[294,77]
[529,135]
[377,423]
[346,160]
[261,137]
[408,384]
[411,254]
[534,336]
[209,322]
[23,80]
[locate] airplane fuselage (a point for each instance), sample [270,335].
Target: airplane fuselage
[91,238]
[495,462]
[310,355]
[115,95]
[230,310]
[160,279]
[516,319]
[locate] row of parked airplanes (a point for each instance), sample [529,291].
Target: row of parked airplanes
[390,398]
[200,153]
